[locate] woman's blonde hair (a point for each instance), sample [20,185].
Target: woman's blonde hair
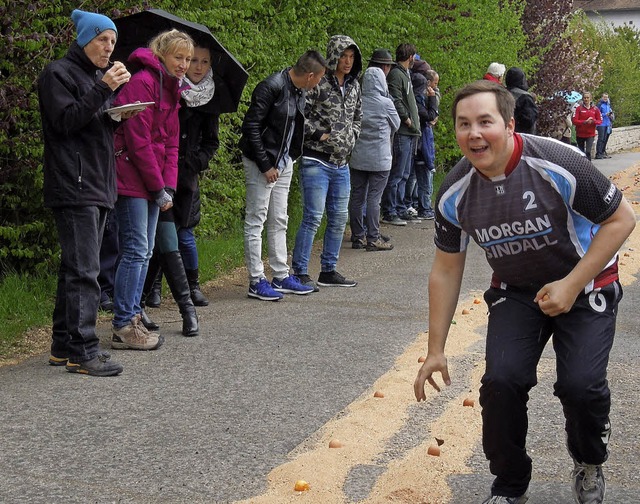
[170,42]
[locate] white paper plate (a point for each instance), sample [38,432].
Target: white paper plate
[133,107]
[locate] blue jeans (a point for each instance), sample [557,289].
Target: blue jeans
[80,232]
[411,189]
[188,250]
[137,221]
[603,138]
[324,187]
[424,178]
[393,196]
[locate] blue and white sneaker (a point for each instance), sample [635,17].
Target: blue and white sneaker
[291,285]
[263,290]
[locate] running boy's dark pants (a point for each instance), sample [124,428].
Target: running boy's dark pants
[516,336]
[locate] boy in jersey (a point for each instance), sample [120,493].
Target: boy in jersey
[551,226]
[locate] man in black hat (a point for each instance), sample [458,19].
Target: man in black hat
[382,58]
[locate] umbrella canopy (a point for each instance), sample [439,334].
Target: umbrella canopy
[138,29]
[573,97]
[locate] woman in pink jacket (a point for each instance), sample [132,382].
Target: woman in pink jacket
[586,117]
[147,166]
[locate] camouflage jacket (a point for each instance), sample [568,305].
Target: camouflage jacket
[328,111]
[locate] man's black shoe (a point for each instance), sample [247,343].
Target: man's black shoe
[334,279]
[98,366]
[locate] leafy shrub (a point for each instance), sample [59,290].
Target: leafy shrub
[620,74]
[265,36]
[32,34]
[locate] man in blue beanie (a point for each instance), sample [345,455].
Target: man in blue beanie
[80,184]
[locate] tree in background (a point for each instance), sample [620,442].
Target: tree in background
[619,60]
[563,62]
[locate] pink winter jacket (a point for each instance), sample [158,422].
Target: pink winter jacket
[146,145]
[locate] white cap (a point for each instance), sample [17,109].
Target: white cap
[496,69]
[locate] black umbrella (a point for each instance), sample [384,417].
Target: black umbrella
[138,29]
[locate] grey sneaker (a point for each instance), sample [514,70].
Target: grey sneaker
[394,220]
[588,484]
[501,499]
[306,280]
[379,245]
[55,360]
[132,337]
[408,217]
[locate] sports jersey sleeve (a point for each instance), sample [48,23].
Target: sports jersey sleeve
[597,198]
[449,235]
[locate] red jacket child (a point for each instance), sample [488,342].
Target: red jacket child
[586,118]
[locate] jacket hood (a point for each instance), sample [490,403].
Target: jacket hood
[374,82]
[336,46]
[421,67]
[419,83]
[144,57]
[515,79]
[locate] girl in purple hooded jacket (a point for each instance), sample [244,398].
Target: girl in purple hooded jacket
[146,149]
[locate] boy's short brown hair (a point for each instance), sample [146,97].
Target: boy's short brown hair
[504,99]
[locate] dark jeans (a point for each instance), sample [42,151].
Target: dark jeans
[80,232]
[419,187]
[517,333]
[188,250]
[393,196]
[425,187]
[364,205]
[603,138]
[109,255]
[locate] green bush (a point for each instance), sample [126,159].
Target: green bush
[32,34]
[265,36]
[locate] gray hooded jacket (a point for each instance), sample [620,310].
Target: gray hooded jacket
[380,120]
[328,111]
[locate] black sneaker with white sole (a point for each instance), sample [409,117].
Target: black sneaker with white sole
[306,280]
[334,279]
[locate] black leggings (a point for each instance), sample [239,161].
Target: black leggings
[585,144]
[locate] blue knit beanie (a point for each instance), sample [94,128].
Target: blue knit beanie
[89,25]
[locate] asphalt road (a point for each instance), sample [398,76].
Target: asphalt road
[206,419]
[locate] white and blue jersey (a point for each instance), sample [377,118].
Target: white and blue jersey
[535,223]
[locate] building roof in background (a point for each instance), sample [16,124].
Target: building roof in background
[606,5]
